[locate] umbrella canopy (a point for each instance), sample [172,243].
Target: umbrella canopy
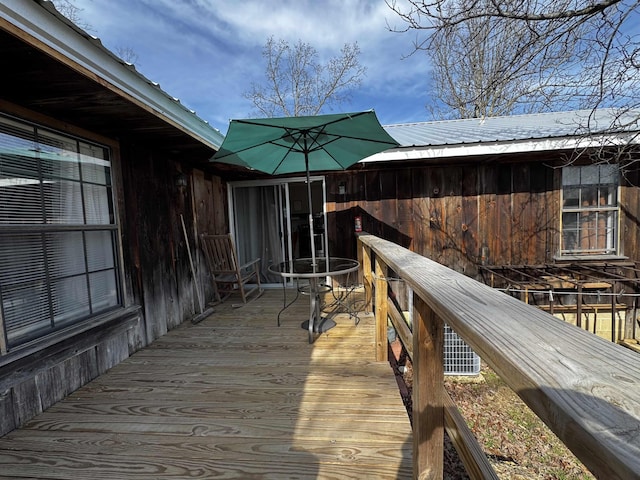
[284,144]
[304,144]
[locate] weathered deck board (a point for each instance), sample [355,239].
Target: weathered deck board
[231,397]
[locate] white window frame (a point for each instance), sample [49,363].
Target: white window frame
[590,212]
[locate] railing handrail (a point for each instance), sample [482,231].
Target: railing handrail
[585,388]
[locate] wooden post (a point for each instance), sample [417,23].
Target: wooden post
[3,343]
[428,387]
[579,309]
[359,257]
[635,314]
[381,311]
[614,338]
[364,257]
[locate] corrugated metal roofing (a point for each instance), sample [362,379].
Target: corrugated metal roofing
[514,127]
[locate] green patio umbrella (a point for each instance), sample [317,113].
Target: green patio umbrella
[304,144]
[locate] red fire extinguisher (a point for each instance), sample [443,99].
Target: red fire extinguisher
[358,223]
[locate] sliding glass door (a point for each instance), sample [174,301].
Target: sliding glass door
[270,220]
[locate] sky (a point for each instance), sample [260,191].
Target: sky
[207,53]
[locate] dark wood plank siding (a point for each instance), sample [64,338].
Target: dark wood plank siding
[470,226]
[521,213]
[488,214]
[158,256]
[209,203]
[629,240]
[420,214]
[151,247]
[507,213]
[461,215]
[630,213]
[405,222]
[501,251]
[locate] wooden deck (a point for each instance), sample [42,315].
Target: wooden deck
[233,396]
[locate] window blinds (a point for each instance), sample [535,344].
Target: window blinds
[57,232]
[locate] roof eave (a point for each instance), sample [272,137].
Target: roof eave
[86,54]
[431,152]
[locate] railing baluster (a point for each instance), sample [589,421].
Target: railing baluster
[428,387]
[381,311]
[364,257]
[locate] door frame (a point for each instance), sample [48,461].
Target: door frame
[285,209]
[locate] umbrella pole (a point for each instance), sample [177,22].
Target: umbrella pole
[309,200]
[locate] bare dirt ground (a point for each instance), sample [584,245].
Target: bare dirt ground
[518,444]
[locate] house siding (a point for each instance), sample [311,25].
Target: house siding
[509,210]
[493,211]
[157,260]
[159,288]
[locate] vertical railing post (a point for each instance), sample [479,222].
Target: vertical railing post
[381,311]
[614,337]
[364,257]
[427,395]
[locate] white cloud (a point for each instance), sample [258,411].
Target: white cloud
[207,53]
[327,25]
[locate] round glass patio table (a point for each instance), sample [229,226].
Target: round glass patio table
[304,268]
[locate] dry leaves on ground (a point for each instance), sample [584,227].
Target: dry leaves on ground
[518,444]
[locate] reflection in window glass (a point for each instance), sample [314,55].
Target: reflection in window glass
[589,210]
[63,270]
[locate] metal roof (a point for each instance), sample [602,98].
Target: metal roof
[510,134]
[513,128]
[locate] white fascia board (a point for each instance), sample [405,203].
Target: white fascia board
[430,152]
[87,52]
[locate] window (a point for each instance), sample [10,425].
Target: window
[57,232]
[589,210]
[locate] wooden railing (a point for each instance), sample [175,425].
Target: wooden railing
[586,389]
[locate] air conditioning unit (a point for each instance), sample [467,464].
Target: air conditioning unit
[459,358]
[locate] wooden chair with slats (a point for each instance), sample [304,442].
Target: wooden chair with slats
[228,276]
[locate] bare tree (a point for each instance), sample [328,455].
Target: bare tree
[506,56]
[488,66]
[297,84]
[70,10]
[127,54]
